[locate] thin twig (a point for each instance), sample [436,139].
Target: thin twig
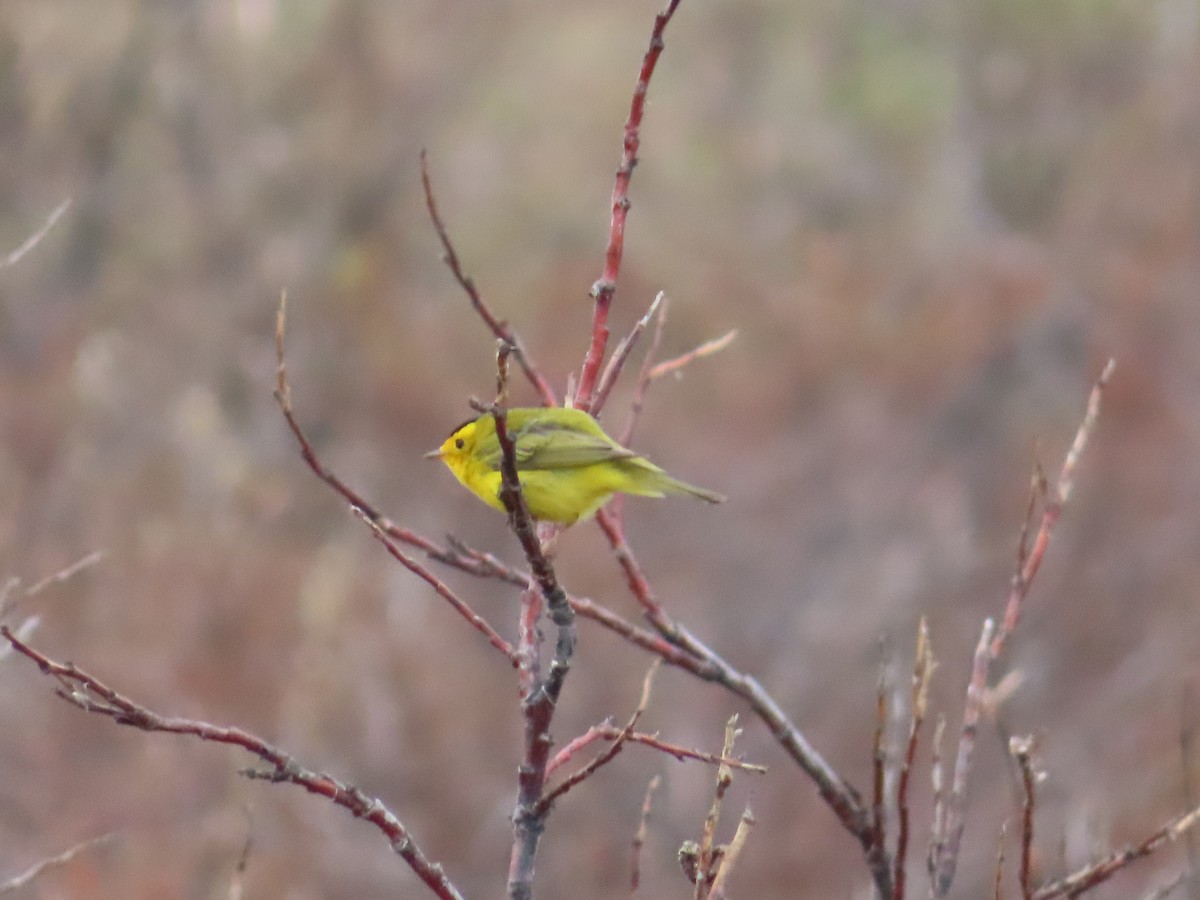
[90,694]
[616,362]
[705,862]
[443,590]
[937,778]
[283,397]
[604,288]
[639,836]
[837,794]
[1100,871]
[1031,561]
[883,689]
[1187,754]
[24,878]
[237,884]
[731,855]
[11,599]
[998,878]
[609,732]
[1166,890]
[643,380]
[945,855]
[36,238]
[923,666]
[499,328]
[1022,750]
[708,348]
[609,754]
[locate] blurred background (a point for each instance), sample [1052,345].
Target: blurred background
[931,223]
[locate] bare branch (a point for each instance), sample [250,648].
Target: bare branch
[883,689]
[679,363]
[616,362]
[36,238]
[24,878]
[923,666]
[1095,873]
[937,778]
[11,599]
[706,860]
[1187,758]
[1022,750]
[90,694]
[1029,562]
[998,879]
[1166,890]
[837,794]
[639,837]
[443,590]
[944,858]
[539,696]
[731,855]
[643,382]
[499,328]
[618,742]
[237,884]
[606,286]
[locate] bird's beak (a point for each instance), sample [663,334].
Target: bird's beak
[434,454]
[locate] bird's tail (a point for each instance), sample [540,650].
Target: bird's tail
[654,482]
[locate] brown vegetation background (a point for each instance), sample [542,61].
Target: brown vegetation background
[931,223]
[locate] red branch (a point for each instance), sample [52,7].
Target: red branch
[501,329]
[1031,559]
[605,287]
[90,694]
[618,743]
[609,732]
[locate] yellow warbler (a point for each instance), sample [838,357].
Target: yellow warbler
[567,465]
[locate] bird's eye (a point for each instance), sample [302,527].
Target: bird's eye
[459,443]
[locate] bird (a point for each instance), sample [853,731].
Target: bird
[568,467]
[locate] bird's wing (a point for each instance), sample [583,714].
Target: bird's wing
[557,448]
